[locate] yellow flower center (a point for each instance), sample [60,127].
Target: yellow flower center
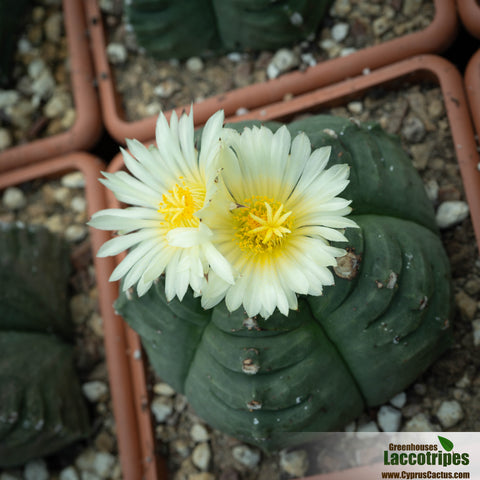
[180,203]
[262,225]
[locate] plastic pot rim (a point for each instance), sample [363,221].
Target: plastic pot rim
[469,13]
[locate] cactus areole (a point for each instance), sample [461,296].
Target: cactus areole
[270,381]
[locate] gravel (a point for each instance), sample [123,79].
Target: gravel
[39,101]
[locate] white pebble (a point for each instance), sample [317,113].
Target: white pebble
[108,6]
[84,462]
[5,139]
[44,85]
[294,463]
[419,423]
[451,212]
[78,204]
[35,68]
[75,233]
[347,51]
[199,433]
[476,332]
[389,418]
[13,198]
[160,409]
[8,98]
[355,107]
[24,45]
[36,470]
[163,389]
[194,64]
[296,19]
[95,390]
[166,88]
[235,56]
[432,188]
[464,382]
[283,60]
[201,456]
[53,27]
[340,31]
[246,456]
[103,464]
[399,400]
[308,59]
[73,180]
[116,53]
[58,104]
[365,430]
[327,44]
[449,413]
[69,473]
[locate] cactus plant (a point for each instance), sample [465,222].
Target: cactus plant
[41,405]
[270,381]
[11,18]
[179,29]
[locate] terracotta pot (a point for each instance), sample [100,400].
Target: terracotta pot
[472,86]
[435,38]
[469,12]
[414,71]
[87,127]
[114,332]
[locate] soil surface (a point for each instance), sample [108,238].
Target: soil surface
[38,100]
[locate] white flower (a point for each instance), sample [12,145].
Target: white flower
[168,186]
[280,211]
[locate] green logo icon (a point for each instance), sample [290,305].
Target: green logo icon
[445,443]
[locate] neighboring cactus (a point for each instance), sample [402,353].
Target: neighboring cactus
[41,405]
[182,28]
[173,28]
[364,340]
[263,24]
[11,19]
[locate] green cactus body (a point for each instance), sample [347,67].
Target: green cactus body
[263,24]
[11,19]
[182,28]
[173,29]
[361,342]
[41,404]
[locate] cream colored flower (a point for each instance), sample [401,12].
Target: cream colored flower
[167,187]
[274,226]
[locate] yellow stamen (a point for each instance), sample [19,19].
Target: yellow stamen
[261,225]
[180,203]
